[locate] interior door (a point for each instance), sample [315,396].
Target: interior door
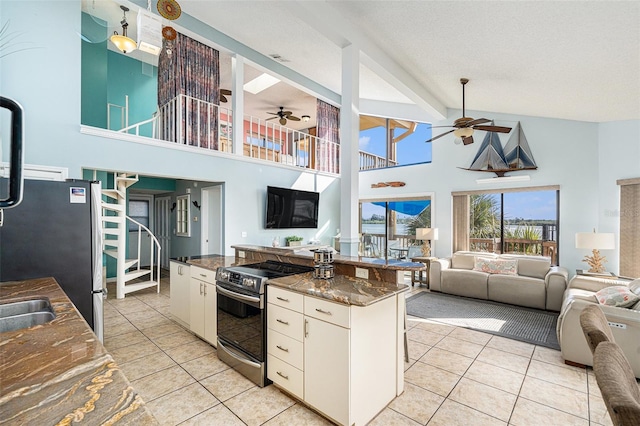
[140,210]
[211,214]
[162,227]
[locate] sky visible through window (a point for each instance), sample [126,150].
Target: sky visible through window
[411,150]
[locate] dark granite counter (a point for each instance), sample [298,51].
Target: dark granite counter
[214,261]
[341,289]
[59,372]
[307,254]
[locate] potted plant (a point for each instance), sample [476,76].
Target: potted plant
[293,240]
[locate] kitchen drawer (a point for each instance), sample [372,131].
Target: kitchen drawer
[334,313]
[285,321]
[286,299]
[286,348]
[286,376]
[202,274]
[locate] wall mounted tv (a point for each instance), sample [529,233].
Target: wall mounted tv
[291,208]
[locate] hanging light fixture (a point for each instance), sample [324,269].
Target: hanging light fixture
[122,42]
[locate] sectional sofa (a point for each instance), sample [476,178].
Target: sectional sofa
[522,280]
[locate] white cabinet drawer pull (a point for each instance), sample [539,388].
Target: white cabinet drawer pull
[282,322]
[203,275]
[282,298]
[323,312]
[282,375]
[282,349]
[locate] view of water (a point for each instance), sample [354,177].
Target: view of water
[378,228]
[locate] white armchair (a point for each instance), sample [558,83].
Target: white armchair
[625,322]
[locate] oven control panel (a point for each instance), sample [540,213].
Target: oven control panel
[238,279]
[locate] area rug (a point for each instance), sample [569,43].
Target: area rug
[525,324]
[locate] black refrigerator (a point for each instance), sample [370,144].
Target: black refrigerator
[56,232]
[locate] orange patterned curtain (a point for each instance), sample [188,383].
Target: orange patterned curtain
[192,69]
[328,129]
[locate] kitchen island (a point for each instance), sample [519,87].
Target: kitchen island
[337,344]
[59,373]
[386,270]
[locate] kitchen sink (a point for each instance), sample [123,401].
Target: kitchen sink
[24,314]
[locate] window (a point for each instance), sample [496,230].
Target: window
[138,211]
[386,142]
[629,227]
[388,227]
[182,215]
[513,221]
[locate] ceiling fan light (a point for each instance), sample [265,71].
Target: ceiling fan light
[305,118]
[464,132]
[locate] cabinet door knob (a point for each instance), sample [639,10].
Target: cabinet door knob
[323,312]
[205,290]
[282,322]
[282,349]
[306,328]
[201,288]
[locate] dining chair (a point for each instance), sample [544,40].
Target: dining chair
[595,326]
[617,383]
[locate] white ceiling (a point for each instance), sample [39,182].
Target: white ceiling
[577,60]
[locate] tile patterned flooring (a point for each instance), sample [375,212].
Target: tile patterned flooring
[455,376]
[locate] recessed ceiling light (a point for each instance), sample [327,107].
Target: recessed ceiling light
[260,83]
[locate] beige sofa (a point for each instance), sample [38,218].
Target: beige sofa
[625,328]
[536,285]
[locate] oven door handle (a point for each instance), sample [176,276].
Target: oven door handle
[237,296]
[238,356]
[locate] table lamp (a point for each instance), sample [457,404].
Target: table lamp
[595,241]
[426,235]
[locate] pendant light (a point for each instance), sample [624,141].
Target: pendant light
[122,42]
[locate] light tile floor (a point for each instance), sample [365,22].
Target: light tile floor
[455,376]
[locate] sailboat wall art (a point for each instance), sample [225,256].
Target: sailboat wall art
[492,157]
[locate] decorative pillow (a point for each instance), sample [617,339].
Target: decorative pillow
[617,295]
[496,266]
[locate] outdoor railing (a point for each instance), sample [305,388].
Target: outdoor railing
[370,161]
[516,246]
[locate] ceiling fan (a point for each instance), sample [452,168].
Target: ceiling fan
[284,116]
[223,95]
[464,126]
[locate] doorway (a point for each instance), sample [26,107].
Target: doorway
[140,211]
[162,227]
[211,216]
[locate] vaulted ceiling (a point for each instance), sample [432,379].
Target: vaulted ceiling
[576,60]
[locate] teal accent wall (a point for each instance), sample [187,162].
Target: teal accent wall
[156,184]
[138,80]
[94,72]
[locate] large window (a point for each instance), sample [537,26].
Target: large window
[388,227]
[514,221]
[388,142]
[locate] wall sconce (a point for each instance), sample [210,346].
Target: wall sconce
[173,207]
[196,205]
[305,118]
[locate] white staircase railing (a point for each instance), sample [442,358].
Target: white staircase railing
[115,242]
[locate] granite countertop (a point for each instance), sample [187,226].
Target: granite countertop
[59,373]
[306,253]
[341,288]
[213,262]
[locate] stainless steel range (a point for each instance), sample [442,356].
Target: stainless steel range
[242,315]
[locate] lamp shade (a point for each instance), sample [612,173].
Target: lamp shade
[124,43]
[427,234]
[594,240]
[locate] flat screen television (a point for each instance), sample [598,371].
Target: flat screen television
[291,208]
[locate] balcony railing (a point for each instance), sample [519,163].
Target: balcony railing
[516,246]
[210,127]
[370,161]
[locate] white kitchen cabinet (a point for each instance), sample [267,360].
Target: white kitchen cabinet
[203,303]
[350,355]
[179,306]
